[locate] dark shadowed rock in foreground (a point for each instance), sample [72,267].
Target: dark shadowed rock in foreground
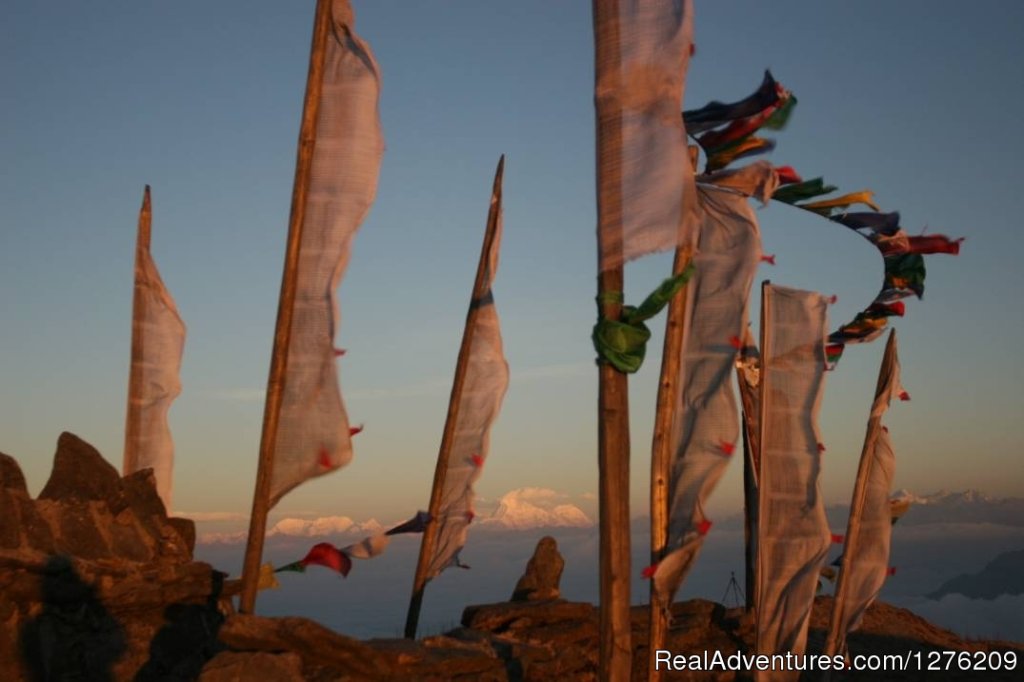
[96,582]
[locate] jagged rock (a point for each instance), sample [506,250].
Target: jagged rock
[75,529]
[10,531]
[543,573]
[187,530]
[138,491]
[80,472]
[313,642]
[231,666]
[10,474]
[505,615]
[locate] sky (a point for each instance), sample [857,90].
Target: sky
[916,100]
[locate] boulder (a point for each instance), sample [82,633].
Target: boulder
[80,473]
[543,573]
[317,645]
[231,666]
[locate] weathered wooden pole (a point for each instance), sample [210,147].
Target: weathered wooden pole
[751,457]
[762,386]
[285,309]
[613,398]
[480,289]
[661,453]
[833,645]
[133,423]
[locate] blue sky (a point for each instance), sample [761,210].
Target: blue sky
[917,100]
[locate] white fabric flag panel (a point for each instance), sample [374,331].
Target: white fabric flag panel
[646,85]
[793,532]
[313,432]
[483,390]
[162,335]
[705,426]
[867,565]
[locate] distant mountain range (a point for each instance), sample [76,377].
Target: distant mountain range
[518,510]
[1002,575]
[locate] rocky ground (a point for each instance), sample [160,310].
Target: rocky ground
[98,583]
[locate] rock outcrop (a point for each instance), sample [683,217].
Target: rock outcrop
[97,583]
[543,573]
[95,580]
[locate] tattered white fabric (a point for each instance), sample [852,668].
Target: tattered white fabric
[793,533]
[866,555]
[483,390]
[705,425]
[158,341]
[642,93]
[313,432]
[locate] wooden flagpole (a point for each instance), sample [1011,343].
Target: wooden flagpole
[751,455]
[285,308]
[480,289]
[762,385]
[661,453]
[135,377]
[833,645]
[749,519]
[613,391]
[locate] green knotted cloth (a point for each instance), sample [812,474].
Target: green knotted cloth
[623,343]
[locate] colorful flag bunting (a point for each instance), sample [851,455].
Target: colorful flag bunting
[339,559]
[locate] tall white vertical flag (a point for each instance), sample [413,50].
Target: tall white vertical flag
[869,531]
[705,424]
[483,389]
[313,432]
[158,338]
[645,87]
[793,533]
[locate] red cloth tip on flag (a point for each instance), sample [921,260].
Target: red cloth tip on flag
[726,448]
[353,430]
[904,395]
[338,352]
[735,342]
[703,527]
[649,572]
[833,299]
[478,461]
[838,539]
[891,570]
[768,258]
[693,49]
[886,429]
[821,447]
[470,515]
[329,556]
[324,457]
[787,175]
[934,243]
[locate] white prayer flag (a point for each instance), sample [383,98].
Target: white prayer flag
[158,339]
[313,430]
[640,87]
[793,533]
